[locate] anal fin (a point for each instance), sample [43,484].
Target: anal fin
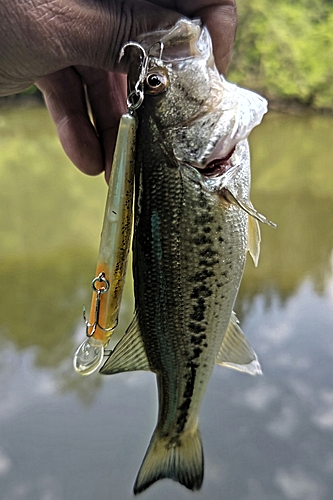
[235,351]
[129,354]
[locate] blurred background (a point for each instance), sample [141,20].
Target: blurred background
[64,437]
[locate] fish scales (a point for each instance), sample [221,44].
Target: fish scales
[184,278]
[194,223]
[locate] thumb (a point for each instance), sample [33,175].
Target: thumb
[40,37]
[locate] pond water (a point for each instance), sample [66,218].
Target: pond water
[63,437]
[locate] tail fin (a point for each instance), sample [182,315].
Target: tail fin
[181,460]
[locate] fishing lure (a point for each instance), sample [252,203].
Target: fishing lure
[116,232]
[115,241]
[113,253]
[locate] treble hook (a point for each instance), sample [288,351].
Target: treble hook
[132,44]
[138,87]
[137,92]
[161,44]
[100,279]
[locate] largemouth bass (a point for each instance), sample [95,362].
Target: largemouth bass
[194,224]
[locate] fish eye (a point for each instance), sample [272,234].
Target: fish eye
[156,83]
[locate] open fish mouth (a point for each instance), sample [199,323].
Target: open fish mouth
[218,166]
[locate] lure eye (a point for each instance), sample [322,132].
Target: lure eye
[156,83]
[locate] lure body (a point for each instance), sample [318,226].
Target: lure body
[113,252]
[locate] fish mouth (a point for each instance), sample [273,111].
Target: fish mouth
[218,166]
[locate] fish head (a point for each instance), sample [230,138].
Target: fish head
[199,116]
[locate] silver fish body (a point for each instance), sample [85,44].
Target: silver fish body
[191,236]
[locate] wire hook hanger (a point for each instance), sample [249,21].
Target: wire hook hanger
[99,279]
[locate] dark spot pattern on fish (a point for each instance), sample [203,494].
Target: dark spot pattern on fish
[208,252]
[200,291]
[196,352]
[202,275]
[206,263]
[189,386]
[203,219]
[187,395]
[175,441]
[199,308]
[202,239]
[182,419]
[196,340]
[196,328]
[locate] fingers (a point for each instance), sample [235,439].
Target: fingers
[89,145]
[107,98]
[128,20]
[40,37]
[65,98]
[221,21]
[220,17]
[91,33]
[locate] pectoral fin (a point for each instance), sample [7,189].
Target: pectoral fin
[235,351]
[254,239]
[248,208]
[129,354]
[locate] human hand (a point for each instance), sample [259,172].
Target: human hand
[70,49]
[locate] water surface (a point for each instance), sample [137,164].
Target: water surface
[63,437]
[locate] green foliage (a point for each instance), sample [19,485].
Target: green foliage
[284,49]
[31,90]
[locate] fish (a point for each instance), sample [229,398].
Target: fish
[193,226]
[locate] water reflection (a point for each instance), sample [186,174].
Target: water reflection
[267,438]
[293,185]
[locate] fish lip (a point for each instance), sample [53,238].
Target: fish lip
[217,166]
